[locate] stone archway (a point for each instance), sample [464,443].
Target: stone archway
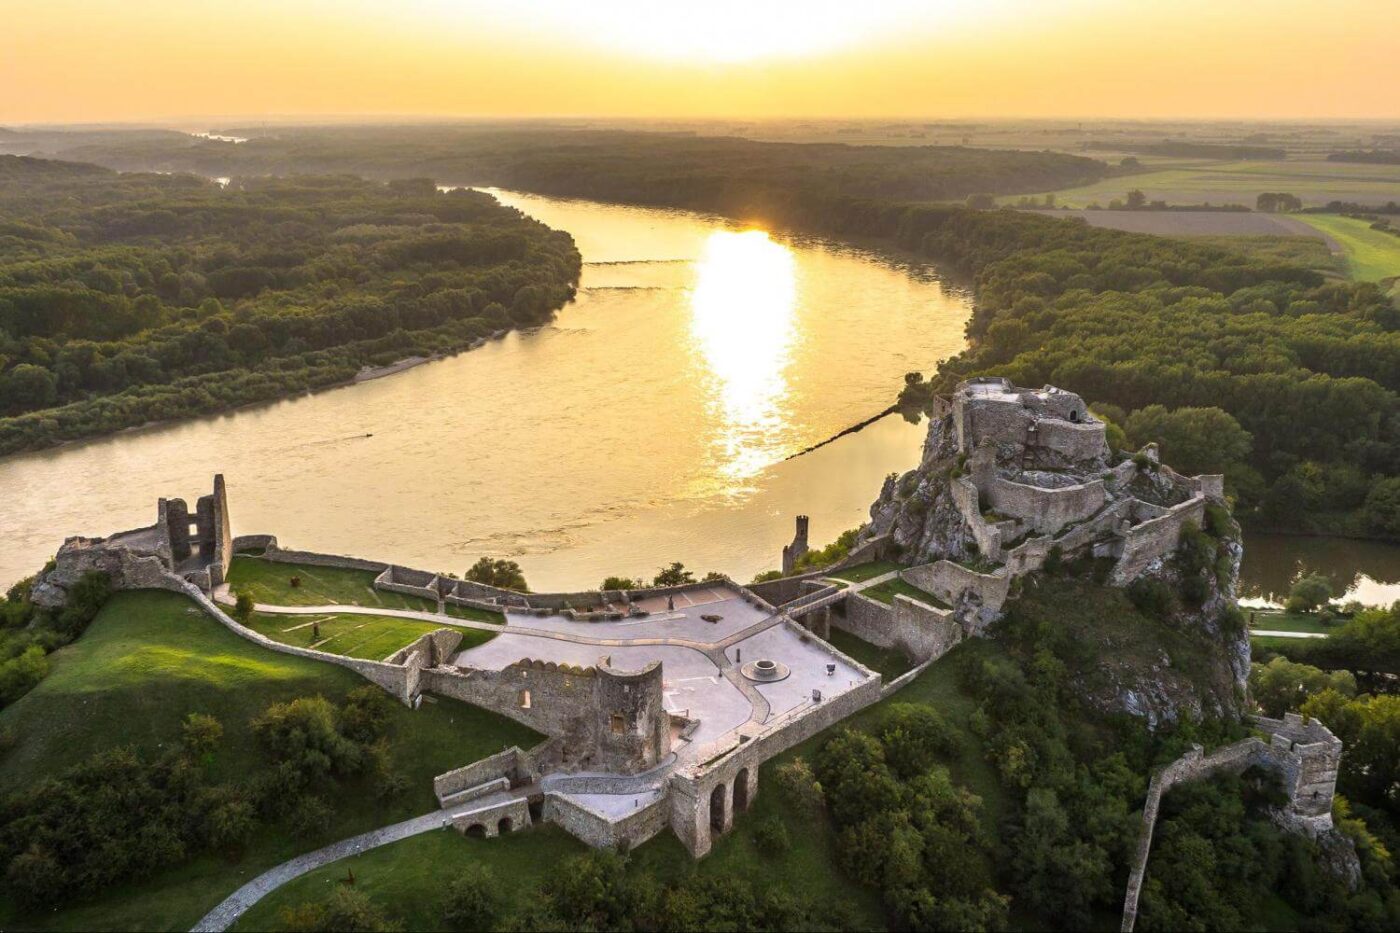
[505,825]
[741,791]
[717,805]
[476,831]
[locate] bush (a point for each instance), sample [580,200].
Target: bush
[1153,597]
[1309,593]
[310,818]
[475,901]
[345,911]
[915,737]
[200,734]
[799,786]
[771,836]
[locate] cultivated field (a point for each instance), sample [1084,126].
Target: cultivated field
[1195,223]
[1315,182]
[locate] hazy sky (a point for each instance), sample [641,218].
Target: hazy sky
[96,60]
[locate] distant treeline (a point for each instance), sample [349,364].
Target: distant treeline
[133,298]
[737,176]
[1190,150]
[1374,156]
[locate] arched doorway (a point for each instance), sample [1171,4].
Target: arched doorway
[504,826]
[741,791]
[717,808]
[476,831]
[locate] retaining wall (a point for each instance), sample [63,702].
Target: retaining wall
[949,580]
[1155,539]
[601,832]
[1046,510]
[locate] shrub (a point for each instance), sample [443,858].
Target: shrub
[200,734]
[771,836]
[915,737]
[475,901]
[1153,597]
[310,818]
[1309,593]
[243,608]
[345,911]
[798,785]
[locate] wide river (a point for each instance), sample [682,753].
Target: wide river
[649,423]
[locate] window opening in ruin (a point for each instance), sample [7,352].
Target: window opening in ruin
[524,699]
[619,724]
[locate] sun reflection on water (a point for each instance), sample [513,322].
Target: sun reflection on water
[743,318]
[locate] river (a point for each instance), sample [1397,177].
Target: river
[648,424]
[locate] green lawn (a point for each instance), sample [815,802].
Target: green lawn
[147,660]
[1371,255]
[862,572]
[270,582]
[1287,621]
[887,591]
[352,634]
[890,662]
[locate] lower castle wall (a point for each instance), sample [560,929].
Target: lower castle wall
[600,832]
[949,580]
[1155,539]
[918,630]
[314,559]
[1046,510]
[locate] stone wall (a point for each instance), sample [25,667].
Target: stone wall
[1155,539]
[602,832]
[918,630]
[396,579]
[313,559]
[988,536]
[517,767]
[951,582]
[786,589]
[1304,753]
[1075,442]
[608,720]
[494,818]
[1046,510]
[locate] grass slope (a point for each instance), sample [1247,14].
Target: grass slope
[150,658]
[887,591]
[270,582]
[888,661]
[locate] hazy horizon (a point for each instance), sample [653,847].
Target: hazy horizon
[160,62]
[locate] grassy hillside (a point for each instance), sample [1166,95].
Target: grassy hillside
[353,635]
[150,658]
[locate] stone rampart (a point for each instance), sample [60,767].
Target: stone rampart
[493,818]
[314,559]
[989,536]
[951,582]
[396,579]
[604,832]
[1046,510]
[254,543]
[1155,539]
[1075,442]
[915,628]
[786,589]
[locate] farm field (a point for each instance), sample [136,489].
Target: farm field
[352,634]
[1371,255]
[147,660]
[1195,223]
[1315,182]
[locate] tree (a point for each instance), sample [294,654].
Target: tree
[474,902]
[1309,593]
[200,734]
[1192,440]
[243,608]
[621,583]
[27,387]
[1281,685]
[1382,508]
[674,575]
[504,574]
[981,202]
[1136,200]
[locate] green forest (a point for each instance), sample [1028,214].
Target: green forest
[130,298]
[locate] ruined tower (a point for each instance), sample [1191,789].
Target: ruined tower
[794,551]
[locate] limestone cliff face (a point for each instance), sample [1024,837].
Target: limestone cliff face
[1018,483]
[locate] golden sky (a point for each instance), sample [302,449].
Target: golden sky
[104,60]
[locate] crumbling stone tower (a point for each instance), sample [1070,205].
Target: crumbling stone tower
[794,551]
